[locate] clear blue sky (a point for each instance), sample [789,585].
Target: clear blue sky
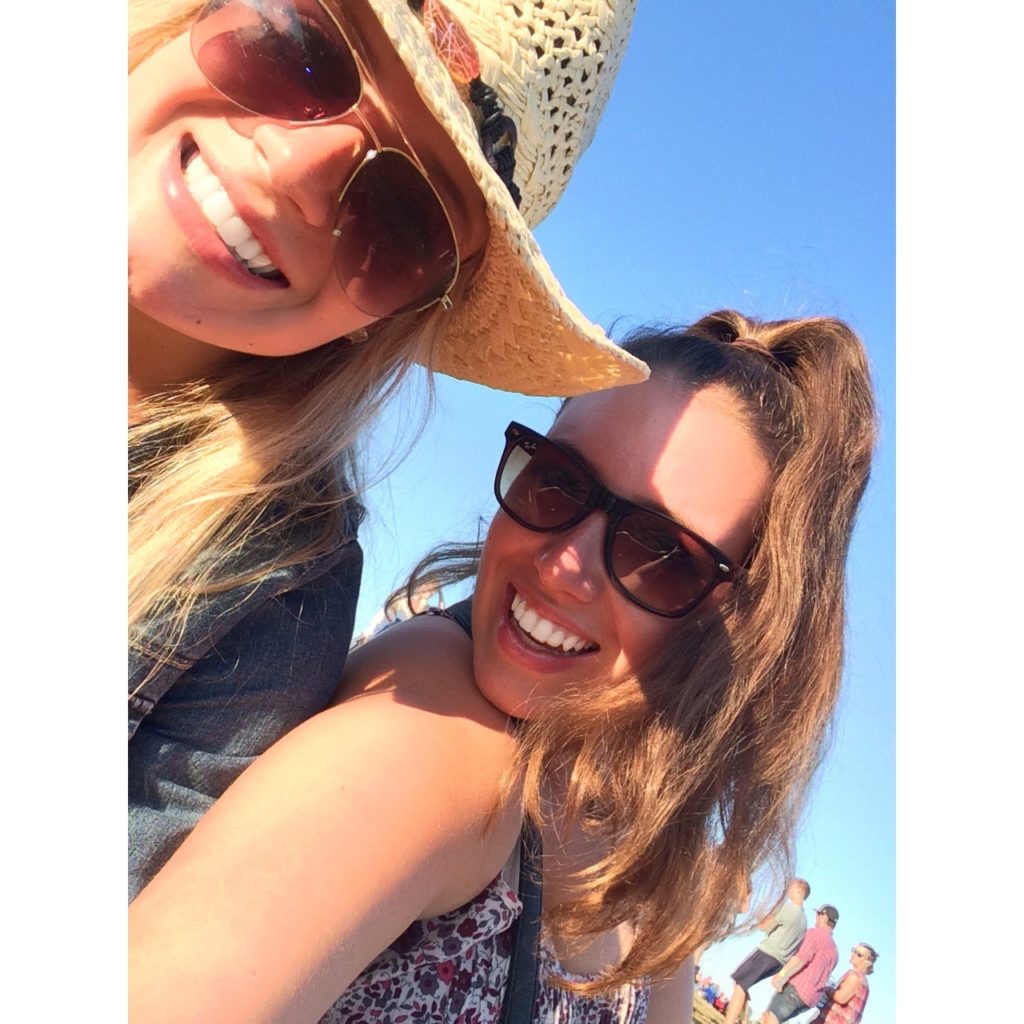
[746,159]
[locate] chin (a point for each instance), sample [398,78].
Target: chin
[514,705]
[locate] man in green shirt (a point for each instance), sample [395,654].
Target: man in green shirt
[785,927]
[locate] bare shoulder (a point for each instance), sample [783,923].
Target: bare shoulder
[427,662]
[409,703]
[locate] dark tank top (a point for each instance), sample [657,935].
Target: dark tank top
[461,613]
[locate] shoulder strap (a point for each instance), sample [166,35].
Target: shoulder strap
[521,987]
[460,613]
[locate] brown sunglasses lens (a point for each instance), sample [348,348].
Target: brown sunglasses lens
[660,566]
[542,488]
[394,249]
[281,60]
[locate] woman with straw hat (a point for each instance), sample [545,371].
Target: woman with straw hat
[321,195]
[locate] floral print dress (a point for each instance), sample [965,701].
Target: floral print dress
[452,969]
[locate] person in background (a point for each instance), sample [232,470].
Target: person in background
[845,1003]
[785,927]
[801,982]
[321,195]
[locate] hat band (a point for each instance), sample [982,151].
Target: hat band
[457,52]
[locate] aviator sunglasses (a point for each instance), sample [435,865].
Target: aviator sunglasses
[654,561]
[395,249]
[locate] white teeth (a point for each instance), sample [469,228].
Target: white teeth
[235,231]
[248,250]
[218,209]
[201,186]
[544,631]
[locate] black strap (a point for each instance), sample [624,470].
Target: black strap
[521,987]
[461,614]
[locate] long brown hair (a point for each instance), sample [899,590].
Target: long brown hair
[695,774]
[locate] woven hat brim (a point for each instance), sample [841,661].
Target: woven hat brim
[515,329]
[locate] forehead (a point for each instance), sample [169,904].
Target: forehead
[688,453]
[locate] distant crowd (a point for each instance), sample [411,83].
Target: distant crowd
[799,961]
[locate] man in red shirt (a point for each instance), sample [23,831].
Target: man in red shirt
[801,982]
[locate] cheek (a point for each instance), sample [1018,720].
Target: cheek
[489,586]
[505,539]
[642,636]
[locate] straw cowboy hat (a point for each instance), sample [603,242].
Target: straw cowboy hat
[551,64]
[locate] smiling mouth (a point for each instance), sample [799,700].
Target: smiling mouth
[211,198]
[545,634]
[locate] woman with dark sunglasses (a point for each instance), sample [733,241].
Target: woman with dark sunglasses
[645,676]
[321,194]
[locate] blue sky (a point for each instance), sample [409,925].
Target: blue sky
[746,160]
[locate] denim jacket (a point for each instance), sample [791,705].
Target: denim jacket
[255,662]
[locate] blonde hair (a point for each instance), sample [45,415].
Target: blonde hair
[870,969]
[262,457]
[253,468]
[695,773]
[154,23]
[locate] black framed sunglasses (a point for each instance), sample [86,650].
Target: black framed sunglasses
[395,249]
[657,563]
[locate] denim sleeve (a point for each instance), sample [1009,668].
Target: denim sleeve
[258,665]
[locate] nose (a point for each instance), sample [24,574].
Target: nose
[571,562]
[310,163]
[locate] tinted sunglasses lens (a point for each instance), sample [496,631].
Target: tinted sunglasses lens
[395,250]
[540,486]
[658,564]
[282,60]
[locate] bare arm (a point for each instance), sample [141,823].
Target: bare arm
[846,989]
[789,968]
[806,952]
[768,923]
[671,1001]
[362,820]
